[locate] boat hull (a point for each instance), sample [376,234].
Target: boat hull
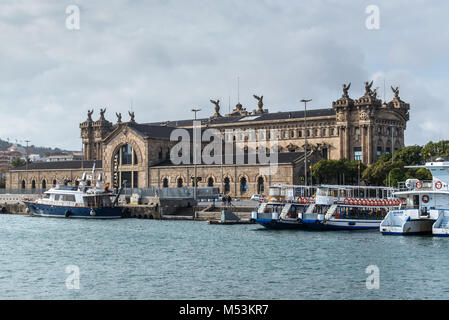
[44,210]
[344,224]
[409,228]
[279,224]
[332,224]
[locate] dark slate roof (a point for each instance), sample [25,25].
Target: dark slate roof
[64,165]
[249,118]
[284,157]
[153,131]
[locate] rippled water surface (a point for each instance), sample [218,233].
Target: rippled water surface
[151,259]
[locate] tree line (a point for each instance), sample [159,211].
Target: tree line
[386,171]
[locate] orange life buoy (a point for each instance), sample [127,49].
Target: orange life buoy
[346,201]
[418,184]
[438,185]
[425,198]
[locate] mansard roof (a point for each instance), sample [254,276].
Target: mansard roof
[153,131]
[249,118]
[61,165]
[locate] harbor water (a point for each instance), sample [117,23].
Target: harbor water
[153,259]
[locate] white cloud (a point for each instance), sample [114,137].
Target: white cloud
[170,56]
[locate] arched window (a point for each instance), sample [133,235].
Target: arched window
[127,154]
[165,183]
[227,185]
[260,185]
[299,133]
[210,182]
[243,186]
[33,184]
[44,184]
[124,158]
[179,182]
[23,184]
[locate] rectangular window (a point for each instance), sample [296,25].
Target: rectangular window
[68,197]
[125,175]
[379,151]
[387,150]
[135,179]
[358,153]
[325,153]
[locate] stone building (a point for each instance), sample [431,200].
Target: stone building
[360,129]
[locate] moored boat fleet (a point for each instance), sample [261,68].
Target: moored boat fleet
[415,207]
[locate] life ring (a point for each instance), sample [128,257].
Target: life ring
[425,198]
[359,202]
[438,185]
[418,185]
[346,201]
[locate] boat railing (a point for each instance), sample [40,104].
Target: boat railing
[419,185]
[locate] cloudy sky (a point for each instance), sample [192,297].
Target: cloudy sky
[163,57]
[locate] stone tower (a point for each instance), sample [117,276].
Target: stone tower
[369,128]
[93,133]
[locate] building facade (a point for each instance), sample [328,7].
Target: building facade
[139,153]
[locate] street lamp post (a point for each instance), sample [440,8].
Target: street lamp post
[194,161]
[305,139]
[26,160]
[392,156]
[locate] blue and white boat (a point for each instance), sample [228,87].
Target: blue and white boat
[284,207]
[331,207]
[426,207]
[338,207]
[84,201]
